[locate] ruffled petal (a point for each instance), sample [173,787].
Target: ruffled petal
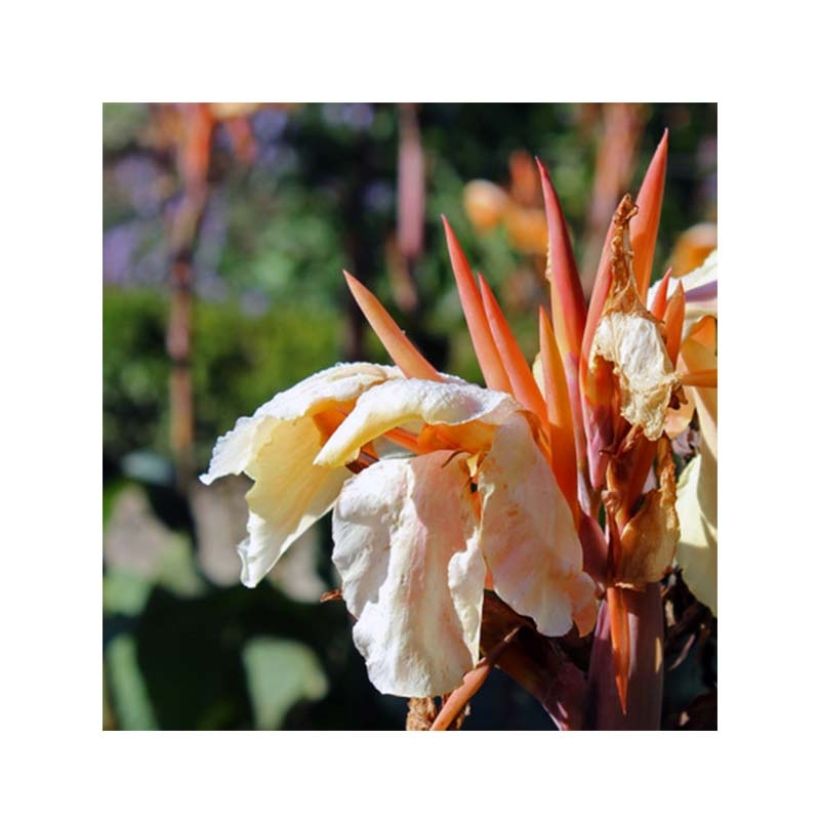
[411,572]
[406,401]
[324,390]
[276,448]
[528,536]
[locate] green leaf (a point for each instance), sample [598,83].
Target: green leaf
[280,674]
[132,705]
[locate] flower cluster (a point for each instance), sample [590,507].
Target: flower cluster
[554,486]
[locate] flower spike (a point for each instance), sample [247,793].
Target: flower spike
[569,310]
[569,307]
[524,386]
[661,296]
[559,412]
[401,349]
[492,368]
[644,227]
[673,319]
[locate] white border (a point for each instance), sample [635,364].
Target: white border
[62,61]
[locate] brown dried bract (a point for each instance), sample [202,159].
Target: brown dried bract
[629,337]
[648,540]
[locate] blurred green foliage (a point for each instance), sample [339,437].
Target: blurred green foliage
[240,361]
[181,651]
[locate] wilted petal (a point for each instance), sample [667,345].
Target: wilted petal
[628,336]
[697,511]
[528,536]
[411,572]
[407,401]
[277,448]
[645,374]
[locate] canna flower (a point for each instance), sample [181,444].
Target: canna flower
[438,488]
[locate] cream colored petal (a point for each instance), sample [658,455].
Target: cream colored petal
[528,536]
[290,493]
[697,486]
[340,384]
[646,377]
[237,448]
[277,448]
[697,549]
[327,388]
[411,572]
[407,401]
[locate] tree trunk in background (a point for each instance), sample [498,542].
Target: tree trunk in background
[409,209]
[622,125]
[193,160]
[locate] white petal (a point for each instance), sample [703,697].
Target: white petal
[404,401]
[528,536]
[411,572]
[277,448]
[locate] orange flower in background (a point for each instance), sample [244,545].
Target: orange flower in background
[518,208]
